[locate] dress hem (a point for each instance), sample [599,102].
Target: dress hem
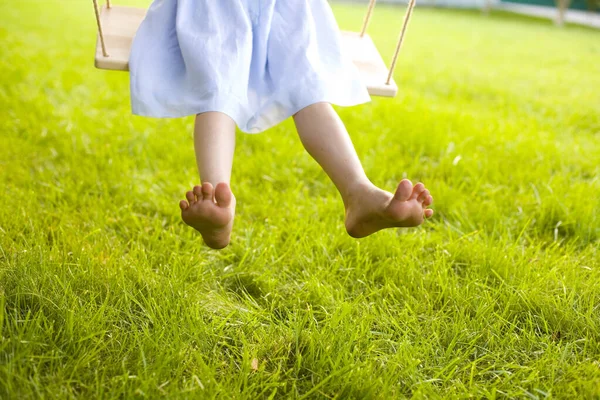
[291,109]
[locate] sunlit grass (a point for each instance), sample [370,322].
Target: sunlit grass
[105,293]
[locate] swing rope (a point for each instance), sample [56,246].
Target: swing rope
[367,17]
[104,52]
[409,9]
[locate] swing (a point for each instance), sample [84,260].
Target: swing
[117,26]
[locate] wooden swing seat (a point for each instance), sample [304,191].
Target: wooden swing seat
[118,25]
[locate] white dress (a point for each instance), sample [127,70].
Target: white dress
[258,61]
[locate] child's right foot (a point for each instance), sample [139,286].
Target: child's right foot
[210,211]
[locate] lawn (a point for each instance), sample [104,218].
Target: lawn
[105,293]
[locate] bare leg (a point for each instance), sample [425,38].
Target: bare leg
[368,208]
[210,208]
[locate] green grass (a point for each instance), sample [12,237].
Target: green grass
[104,293]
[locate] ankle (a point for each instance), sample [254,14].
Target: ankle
[356,190]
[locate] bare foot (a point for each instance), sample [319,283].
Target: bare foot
[370,209]
[210,212]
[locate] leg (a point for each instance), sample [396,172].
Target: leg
[368,208]
[210,209]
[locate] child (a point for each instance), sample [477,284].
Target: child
[254,63]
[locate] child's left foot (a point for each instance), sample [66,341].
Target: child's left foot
[370,209]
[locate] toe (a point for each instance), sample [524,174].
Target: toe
[183,205]
[428,213]
[223,195]
[404,190]
[428,201]
[417,190]
[190,197]
[423,196]
[207,191]
[198,192]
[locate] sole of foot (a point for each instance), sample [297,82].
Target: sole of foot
[210,211]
